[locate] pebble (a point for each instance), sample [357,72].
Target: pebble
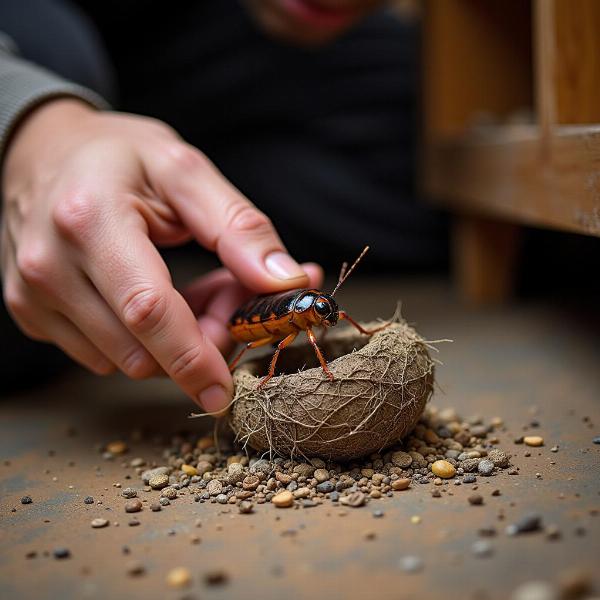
[164,501]
[88,500]
[401,484]
[158,482]
[245,507]
[527,523]
[596,440]
[443,469]
[533,440]
[469,478]
[469,465]
[402,459]
[129,492]
[26,500]
[378,513]
[415,519]
[411,564]
[155,507]
[498,457]
[150,473]
[61,553]
[169,492]
[222,498]
[135,568]
[284,499]
[180,577]
[321,475]
[134,505]
[334,496]
[325,487]
[189,470]
[216,577]
[214,487]
[133,522]
[354,499]
[475,499]
[99,522]
[117,447]
[482,549]
[485,467]
[535,590]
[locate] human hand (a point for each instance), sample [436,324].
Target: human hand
[87,198]
[309,22]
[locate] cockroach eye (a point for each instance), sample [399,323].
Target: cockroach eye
[322,307]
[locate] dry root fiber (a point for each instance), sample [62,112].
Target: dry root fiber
[381,386]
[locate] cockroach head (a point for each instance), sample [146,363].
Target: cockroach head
[327,310]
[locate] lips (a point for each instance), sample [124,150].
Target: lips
[310,13]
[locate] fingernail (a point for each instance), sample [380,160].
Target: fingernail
[283,266]
[214,398]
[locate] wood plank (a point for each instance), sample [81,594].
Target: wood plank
[505,175]
[477,60]
[576,75]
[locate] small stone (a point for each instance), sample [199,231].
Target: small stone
[326,487]
[533,440]
[411,564]
[189,470]
[415,519]
[535,590]
[245,507]
[216,577]
[134,505]
[135,568]
[222,498]
[334,496]
[370,535]
[61,553]
[554,449]
[99,522]
[469,478]
[354,499]
[137,462]
[251,482]
[377,514]
[436,493]
[150,473]
[401,484]
[117,447]
[487,531]
[526,524]
[482,549]
[133,522]
[596,440]
[158,482]
[164,501]
[475,499]
[88,500]
[443,469]
[498,457]
[26,500]
[321,475]
[304,470]
[214,487]
[302,492]
[402,459]
[552,532]
[496,493]
[284,499]
[179,578]
[129,492]
[485,467]
[155,507]
[283,477]
[169,492]
[469,465]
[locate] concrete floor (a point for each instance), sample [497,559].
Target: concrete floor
[521,362]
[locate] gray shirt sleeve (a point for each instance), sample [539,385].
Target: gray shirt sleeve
[24,85]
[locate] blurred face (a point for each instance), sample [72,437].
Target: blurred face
[309,22]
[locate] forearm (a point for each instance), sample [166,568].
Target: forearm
[24,86]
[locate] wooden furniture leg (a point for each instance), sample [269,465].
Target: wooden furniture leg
[484,257]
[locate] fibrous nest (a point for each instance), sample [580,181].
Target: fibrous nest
[381,386]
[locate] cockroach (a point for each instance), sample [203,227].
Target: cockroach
[279,318]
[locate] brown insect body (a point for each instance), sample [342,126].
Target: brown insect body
[280,317]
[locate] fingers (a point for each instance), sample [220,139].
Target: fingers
[214,297]
[222,219]
[129,273]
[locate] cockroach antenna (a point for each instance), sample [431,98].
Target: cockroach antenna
[345,274]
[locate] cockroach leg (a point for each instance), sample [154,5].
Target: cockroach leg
[344,315]
[313,341]
[286,341]
[248,346]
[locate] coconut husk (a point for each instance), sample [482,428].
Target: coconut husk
[381,386]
